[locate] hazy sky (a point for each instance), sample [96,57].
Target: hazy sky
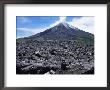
[30,25]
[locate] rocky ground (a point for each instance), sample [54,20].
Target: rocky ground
[39,57]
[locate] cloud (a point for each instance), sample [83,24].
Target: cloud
[34,30]
[25,32]
[62,19]
[84,23]
[24,20]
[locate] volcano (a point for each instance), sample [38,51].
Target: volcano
[63,31]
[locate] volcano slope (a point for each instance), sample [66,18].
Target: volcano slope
[46,51]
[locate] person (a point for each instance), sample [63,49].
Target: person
[63,65]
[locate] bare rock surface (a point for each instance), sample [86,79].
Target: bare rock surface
[44,52]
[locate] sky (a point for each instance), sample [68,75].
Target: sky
[30,25]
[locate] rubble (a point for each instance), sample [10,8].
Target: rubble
[51,53]
[45,51]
